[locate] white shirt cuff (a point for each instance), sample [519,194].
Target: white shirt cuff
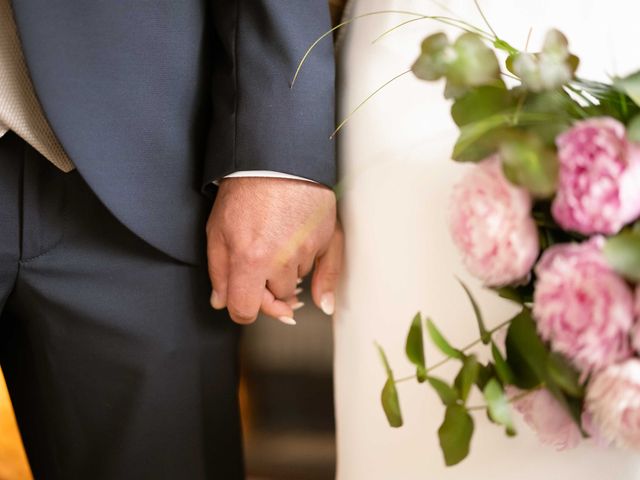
[264,173]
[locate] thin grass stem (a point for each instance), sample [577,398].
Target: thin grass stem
[485,19]
[341,25]
[369,97]
[462,25]
[526,45]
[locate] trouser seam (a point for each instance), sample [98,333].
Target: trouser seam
[59,241]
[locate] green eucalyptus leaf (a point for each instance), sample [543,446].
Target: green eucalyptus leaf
[556,44]
[415,348]
[389,395]
[486,134]
[455,434]
[630,85]
[510,293]
[574,62]
[435,57]
[623,254]
[527,162]
[549,69]
[481,102]
[557,103]
[454,90]
[500,44]
[502,367]
[485,336]
[509,62]
[482,148]
[443,345]
[448,394]
[526,353]
[498,405]
[467,376]
[526,67]
[485,373]
[479,136]
[385,361]
[564,375]
[633,129]
[391,403]
[474,63]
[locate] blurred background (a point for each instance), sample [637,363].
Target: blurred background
[286,396]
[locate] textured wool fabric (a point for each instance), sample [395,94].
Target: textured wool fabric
[20,110]
[154,100]
[117,366]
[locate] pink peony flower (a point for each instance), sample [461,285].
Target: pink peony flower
[551,422]
[491,224]
[598,179]
[613,402]
[635,332]
[582,307]
[591,429]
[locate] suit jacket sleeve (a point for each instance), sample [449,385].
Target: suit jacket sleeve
[258,121]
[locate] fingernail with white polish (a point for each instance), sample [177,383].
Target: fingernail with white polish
[299,281]
[297,306]
[298,291]
[216,301]
[287,320]
[328,303]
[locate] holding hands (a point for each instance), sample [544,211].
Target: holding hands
[264,234]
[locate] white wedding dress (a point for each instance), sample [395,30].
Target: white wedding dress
[397,180]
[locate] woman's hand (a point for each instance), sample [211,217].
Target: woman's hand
[327,273]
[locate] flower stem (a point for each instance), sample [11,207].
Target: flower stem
[513,399]
[464,349]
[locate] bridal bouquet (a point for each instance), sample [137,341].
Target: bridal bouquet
[547,216]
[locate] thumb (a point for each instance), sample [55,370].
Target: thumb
[327,273]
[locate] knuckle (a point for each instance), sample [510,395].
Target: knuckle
[241,315]
[286,264]
[252,255]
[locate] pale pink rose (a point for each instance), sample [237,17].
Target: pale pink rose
[491,224]
[598,179]
[581,306]
[544,414]
[613,401]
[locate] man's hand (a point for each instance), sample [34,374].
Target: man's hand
[263,235]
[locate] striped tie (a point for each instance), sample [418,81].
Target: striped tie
[20,110]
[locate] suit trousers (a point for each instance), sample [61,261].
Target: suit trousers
[116,364]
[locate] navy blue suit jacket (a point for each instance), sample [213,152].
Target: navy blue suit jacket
[154,99]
